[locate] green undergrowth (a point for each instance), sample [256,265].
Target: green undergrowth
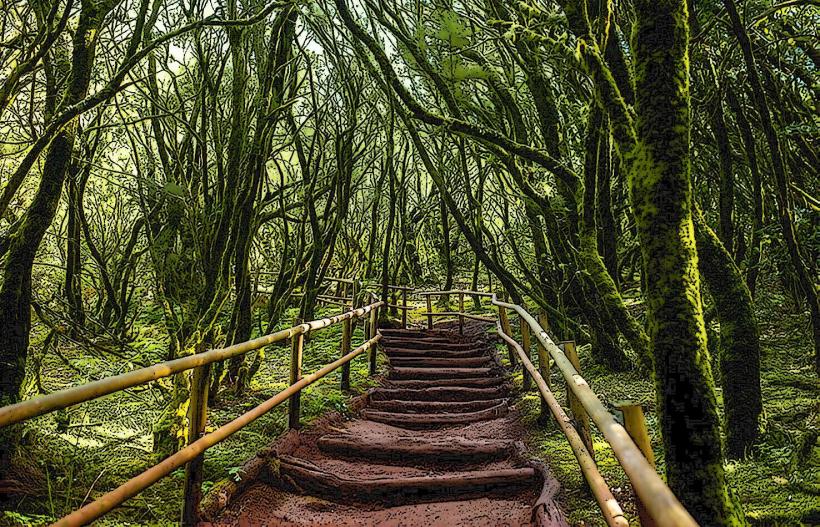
[73,456]
[778,482]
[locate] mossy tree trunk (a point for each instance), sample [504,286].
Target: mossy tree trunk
[604,215]
[755,245]
[726,196]
[15,293]
[604,350]
[739,340]
[661,195]
[390,168]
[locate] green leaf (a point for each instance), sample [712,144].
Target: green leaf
[453,30]
[174,189]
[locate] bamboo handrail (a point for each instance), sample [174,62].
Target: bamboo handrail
[390,286]
[454,292]
[613,514]
[137,484]
[23,410]
[457,314]
[658,499]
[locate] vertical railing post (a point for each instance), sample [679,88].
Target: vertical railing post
[525,343]
[197,416]
[346,331]
[635,424]
[355,297]
[579,414]
[297,346]
[404,311]
[461,313]
[429,312]
[374,321]
[544,367]
[505,325]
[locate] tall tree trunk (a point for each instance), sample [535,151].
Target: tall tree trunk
[607,228]
[390,168]
[73,269]
[739,340]
[15,293]
[447,257]
[604,349]
[374,224]
[755,245]
[661,196]
[726,199]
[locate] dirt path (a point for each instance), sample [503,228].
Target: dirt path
[437,444]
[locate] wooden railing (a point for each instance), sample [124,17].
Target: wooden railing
[657,505]
[351,291]
[198,442]
[461,314]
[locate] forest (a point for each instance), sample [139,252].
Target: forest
[179,176]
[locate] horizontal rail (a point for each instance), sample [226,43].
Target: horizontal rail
[660,502]
[458,314]
[327,297]
[350,281]
[137,484]
[454,292]
[613,514]
[23,410]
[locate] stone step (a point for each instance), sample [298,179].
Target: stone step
[412,352]
[422,344]
[412,449]
[431,407]
[438,393]
[437,373]
[467,382]
[440,362]
[435,420]
[435,487]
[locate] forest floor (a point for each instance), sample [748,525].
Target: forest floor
[75,455]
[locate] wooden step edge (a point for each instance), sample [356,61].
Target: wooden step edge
[309,476]
[415,407]
[422,421]
[415,449]
[438,393]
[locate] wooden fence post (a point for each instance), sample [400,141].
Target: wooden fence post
[297,347]
[635,424]
[505,325]
[460,315]
[197,416]
[579,414]
[346,331]
[429,310]
[404,311]
[374,321]
[544,367]
[355,296]
[525,343]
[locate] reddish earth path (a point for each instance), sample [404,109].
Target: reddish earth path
[437,444]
